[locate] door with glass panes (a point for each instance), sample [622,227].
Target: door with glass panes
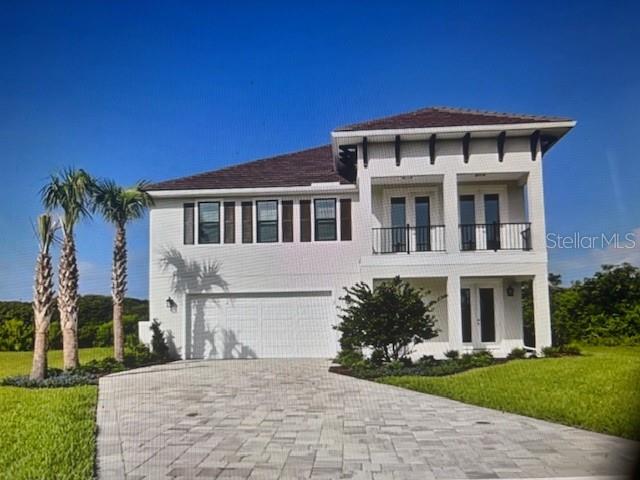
[478,305]
[412,212]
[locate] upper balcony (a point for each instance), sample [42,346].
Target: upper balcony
[489,214]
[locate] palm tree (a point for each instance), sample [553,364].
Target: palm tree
[70,192]
[119,206]
[43,299]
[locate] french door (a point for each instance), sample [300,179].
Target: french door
[478,315]
[398,224]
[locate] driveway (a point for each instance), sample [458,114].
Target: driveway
[294,419]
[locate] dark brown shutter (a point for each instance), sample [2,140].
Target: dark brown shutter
[247,222]
[345,219]
[305,220]
[287,221]
[229,222]
[188,223]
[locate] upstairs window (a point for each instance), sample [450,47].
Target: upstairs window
[209,222]
[267,220]
[325,214]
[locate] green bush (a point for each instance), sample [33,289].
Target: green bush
[104,366]
[350,358]
[614,341]
[55,379]
[426,361]
[159,345]
[16,335]
[139,355]
[389,319]
[426,366]
[517,353]
[561,351]
[605,306]
[452,354]
[483,358]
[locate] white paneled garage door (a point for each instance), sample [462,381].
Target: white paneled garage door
[262,325]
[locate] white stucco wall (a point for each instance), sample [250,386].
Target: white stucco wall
[176,270]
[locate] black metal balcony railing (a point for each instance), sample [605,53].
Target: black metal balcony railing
[409,239]
[495,236]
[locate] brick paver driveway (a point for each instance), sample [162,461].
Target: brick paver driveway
[294,419]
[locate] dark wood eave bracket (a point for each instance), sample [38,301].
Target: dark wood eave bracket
[432,149]
[501,139]
[537,142]
[365,152]
[534,142]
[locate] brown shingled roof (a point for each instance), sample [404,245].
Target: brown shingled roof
[446,117]
[303,168]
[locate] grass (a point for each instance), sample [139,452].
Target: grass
[598,391]
[47,433]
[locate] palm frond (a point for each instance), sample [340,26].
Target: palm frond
[45,228]
[70,191]
[120,205]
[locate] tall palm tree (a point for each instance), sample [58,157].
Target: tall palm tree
[43,300]
[70,191]
[119,206]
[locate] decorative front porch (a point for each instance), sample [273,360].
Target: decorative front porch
[482,313]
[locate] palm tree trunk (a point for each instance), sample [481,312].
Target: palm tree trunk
[118,290]
[68,302]
[39,366]
[42,309]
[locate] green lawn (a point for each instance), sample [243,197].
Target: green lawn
[47,433]
[598,391]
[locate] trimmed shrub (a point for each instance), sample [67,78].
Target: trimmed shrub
[159,345]
[517,354]
[55,379]
[452,354]
[482,358]
[350,358]
[561,351]
[389,319]
[426,361]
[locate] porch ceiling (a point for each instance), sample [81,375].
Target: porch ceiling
[407,180]
[520,177]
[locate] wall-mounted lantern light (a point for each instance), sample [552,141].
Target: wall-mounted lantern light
[510,291]
[171,304]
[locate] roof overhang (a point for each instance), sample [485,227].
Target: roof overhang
[325,188]
[554,130]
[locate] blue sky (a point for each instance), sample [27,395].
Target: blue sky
[155,90]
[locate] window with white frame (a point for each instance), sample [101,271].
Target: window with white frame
[325,219]
[267,221]
[209,222]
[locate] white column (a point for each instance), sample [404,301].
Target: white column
[454,312]
[451,216]
[541,311]
[535,207]
[365,206]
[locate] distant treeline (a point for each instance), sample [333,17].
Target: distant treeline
[601,310]
[95,328]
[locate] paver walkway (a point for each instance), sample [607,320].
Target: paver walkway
[294,419]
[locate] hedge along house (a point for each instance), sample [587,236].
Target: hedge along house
[250,260]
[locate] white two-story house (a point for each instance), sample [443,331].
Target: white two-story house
[251,260]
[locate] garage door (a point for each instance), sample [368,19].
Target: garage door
[262,325]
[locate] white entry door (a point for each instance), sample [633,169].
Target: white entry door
[478,304]
[262,325]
